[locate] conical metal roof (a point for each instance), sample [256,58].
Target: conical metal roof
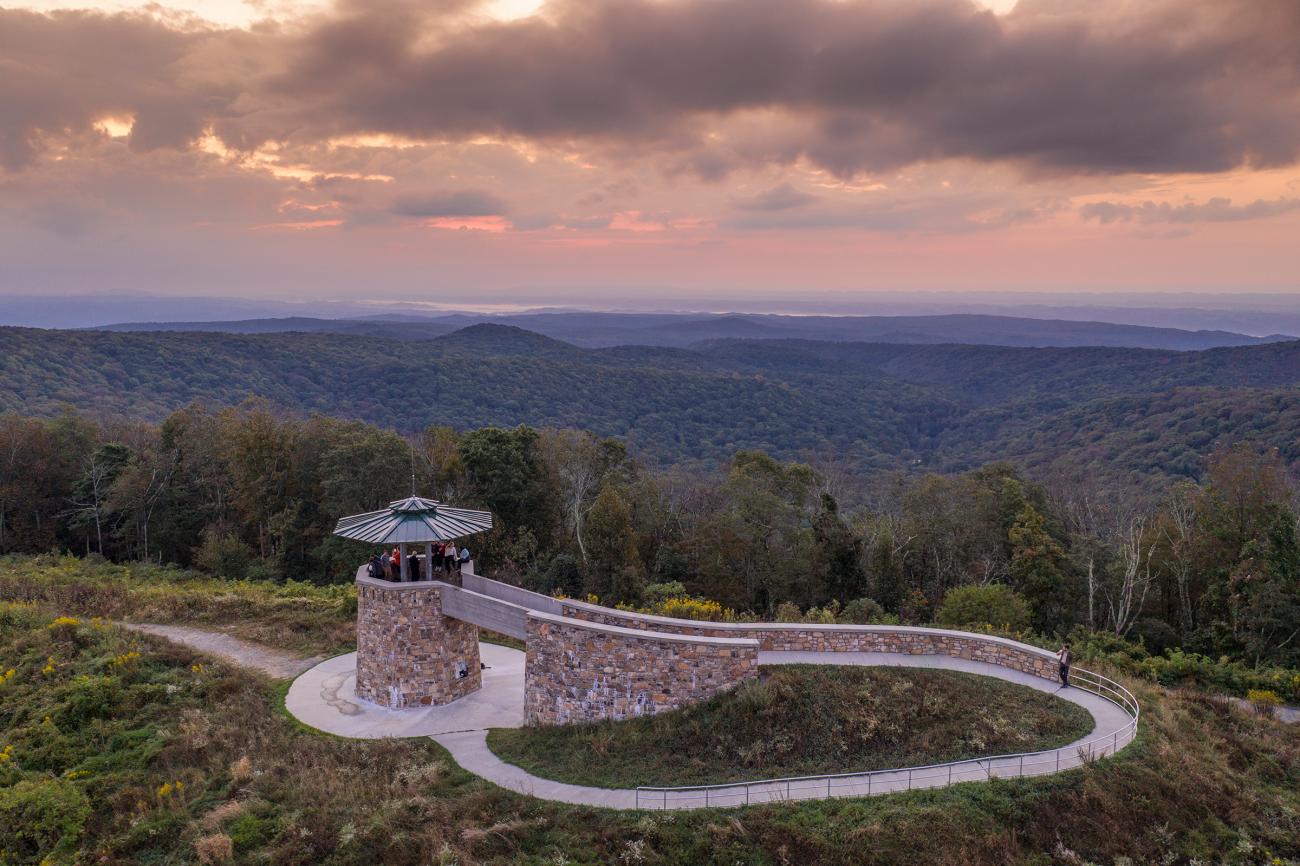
[414,520]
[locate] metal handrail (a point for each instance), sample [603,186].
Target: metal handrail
[783,788]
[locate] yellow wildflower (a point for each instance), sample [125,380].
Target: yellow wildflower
[50,666]
[7,754]
[64,622]
[167,789]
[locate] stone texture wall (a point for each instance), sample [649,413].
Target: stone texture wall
[579,673]
[407,651]
[841,638]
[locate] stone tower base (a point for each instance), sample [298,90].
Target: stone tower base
[408,653]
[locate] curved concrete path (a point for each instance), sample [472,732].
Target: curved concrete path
[470,749]
[325,698]
[275,663]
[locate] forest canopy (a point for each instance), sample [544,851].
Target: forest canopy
[1209,565]
[1134,417]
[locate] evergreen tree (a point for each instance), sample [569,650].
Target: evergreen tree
[839,554]
[1037,571]
[614,569]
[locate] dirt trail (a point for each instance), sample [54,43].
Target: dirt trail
[272,662]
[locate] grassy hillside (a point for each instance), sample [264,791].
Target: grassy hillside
[122,749]
[306,618]
[804,720]
[934,407]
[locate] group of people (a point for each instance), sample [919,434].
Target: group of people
[447,558]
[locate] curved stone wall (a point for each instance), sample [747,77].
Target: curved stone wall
[583,671]
[408,653]
[811,637]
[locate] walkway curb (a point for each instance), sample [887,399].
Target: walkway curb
[470,749]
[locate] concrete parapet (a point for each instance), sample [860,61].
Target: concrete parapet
[810,637]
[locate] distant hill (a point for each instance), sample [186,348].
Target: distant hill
[419,329]
[1128,413]
[596,330]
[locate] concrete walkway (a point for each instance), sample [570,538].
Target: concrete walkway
[325,698]
[470,749]
[278,664]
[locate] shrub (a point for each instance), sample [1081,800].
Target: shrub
[658,593]
[686,607]
[992,604]
[865,611]
[89,697]
[1265,701]
[249,831]
[41,817]
[225,556]
[1154,634]
[788,611]
[217,848]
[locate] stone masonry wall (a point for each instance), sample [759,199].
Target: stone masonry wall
[841,638]
[407,651]
[579,673]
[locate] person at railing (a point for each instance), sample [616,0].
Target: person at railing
[1063,658]
[397,563]
[464,558]
[449,557]
[386,565]
[375,568]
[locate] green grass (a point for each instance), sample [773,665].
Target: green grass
[800,720]
[301,617]
[91,746]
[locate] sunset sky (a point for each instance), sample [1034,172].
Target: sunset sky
[607,152]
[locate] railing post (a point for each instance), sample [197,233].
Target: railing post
[1022,766]
[828,787]
[869,775]
[706,796]
[746,793]
[1058,760]
[950,774]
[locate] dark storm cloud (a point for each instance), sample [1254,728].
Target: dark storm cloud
[1059,86]
[783,197]
[449,203]
[1216,210]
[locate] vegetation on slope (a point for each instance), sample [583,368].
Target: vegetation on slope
[803,720]
[98,726]
[306,618]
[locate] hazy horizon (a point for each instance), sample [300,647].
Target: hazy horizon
[1252,314]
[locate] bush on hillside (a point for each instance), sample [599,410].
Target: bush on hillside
[992,604]
[224,555]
